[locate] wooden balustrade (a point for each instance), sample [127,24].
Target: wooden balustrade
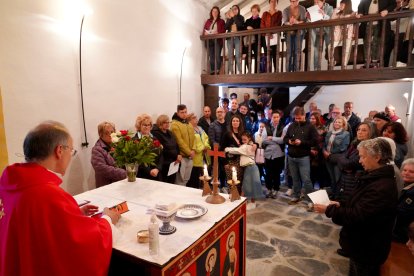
[303,32]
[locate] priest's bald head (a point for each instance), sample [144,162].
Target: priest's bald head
[50,145]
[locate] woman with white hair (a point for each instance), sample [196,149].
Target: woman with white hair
[405,208]
[368,215]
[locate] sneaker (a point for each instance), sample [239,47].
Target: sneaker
[294,201]
[289,192]
[269,194]
[250,206]
[310,207]
[274,194]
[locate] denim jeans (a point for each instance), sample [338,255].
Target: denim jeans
[215,57]
[234,46]
[316,43]
[294,51]
[299,168]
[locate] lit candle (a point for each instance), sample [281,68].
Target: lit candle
[234,174]
[205,170]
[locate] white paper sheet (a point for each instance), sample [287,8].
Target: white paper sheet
[173,168]
[320,197]
[274,40]
[314,13]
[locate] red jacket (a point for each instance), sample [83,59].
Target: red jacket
[220,28]
[43,231]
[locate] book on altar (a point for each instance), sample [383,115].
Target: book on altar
[320,197]
[314,13]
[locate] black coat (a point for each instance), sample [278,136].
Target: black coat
[363,9]
[204,124]
[305,132]
[368,216]
[170,148]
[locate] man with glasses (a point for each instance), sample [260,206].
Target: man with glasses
[184,135]
[43,231]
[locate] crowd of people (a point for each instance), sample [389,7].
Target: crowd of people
[361,165]
[297,14]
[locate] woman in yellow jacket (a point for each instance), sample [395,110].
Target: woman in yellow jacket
[201,145]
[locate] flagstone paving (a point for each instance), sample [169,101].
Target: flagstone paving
[288,240]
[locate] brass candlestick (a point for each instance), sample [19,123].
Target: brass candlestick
[215,198]
[206,186]
[234,193]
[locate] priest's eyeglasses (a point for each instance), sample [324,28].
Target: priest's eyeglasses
[72,150]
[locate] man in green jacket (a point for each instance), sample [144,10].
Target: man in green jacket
[184,134]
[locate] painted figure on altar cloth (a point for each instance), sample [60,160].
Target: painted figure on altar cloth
[211,262]
[231,257]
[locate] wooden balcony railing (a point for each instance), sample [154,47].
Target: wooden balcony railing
[357,61]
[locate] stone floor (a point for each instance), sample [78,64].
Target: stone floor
[287,240]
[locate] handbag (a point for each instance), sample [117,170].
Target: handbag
[249,40]
[259,158]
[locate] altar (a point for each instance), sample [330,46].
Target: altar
[200,246]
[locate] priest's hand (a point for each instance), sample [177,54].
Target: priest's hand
[112,214]
[89,209]
[154,172]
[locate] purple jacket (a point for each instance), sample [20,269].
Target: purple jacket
[104,165]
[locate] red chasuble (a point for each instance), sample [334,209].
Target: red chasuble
[43,231]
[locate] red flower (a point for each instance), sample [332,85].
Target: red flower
[136,141]
[112,149]
[124,132]
[127,138]
[156,143]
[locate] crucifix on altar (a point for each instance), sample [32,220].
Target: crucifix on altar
[215,198]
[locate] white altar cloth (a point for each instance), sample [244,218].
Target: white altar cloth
[144,194]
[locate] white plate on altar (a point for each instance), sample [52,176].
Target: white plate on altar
[191,211]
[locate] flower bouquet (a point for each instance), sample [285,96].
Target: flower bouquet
[131,153]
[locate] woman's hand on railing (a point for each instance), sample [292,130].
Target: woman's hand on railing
[384,13]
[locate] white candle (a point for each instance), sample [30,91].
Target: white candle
[234,174]
[205,171]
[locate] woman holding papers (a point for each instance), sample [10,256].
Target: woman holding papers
[271,18]
[368,216]
[214,25]
[170,152]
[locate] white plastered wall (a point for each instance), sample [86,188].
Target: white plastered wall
[131,56]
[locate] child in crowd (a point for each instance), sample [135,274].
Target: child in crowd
[259,137]
[251,186]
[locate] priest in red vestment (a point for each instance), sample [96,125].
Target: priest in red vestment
[42,229]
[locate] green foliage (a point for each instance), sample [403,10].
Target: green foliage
[126,150]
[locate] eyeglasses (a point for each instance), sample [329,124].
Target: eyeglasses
[72,150]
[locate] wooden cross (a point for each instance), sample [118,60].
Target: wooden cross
[216,154]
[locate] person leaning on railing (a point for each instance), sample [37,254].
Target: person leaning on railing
[345,39]
[292,15]
[252,40]
[214,25]
[271,18]
[326,11]
[234,23]
[382,7]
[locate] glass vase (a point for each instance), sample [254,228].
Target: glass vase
[132,170]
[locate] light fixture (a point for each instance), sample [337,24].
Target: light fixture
[86,11]
[186,44]
[406,95]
